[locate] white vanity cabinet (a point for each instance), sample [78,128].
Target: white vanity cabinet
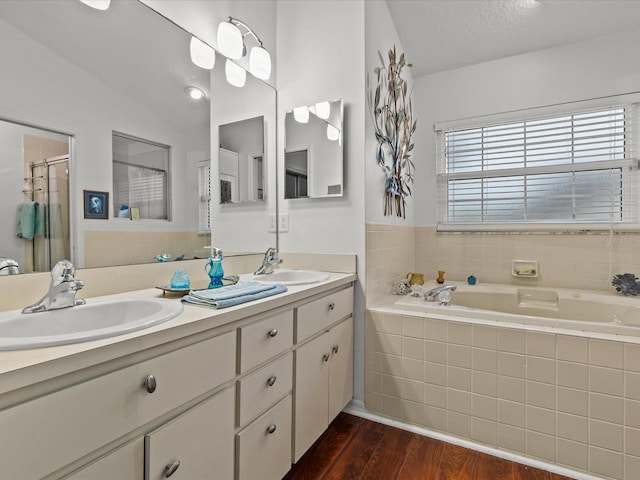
[323,366]
[45,434]
[265,360]
[235,400]
[197,444]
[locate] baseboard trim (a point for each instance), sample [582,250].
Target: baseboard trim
[357,408]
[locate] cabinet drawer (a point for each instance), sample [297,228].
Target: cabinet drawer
[265,339]
[56,429]
[201,440]
[264,448]
[125,462]
[319,314]
[263,388]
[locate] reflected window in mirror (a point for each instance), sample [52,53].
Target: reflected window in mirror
[140,178]
[241,161]
[204,192]
[313,151]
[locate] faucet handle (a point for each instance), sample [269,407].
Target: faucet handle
[62,271]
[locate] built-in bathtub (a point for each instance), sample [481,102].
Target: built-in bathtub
[582,310]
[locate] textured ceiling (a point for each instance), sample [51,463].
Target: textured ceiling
[441,35]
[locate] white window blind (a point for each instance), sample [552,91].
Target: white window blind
[204,192]
[575,169]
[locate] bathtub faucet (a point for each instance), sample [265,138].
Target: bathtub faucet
[432,294]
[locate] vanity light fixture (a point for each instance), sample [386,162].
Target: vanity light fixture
[202,54]
[231,45]
[97,4]
[301,114]
[323,110]
[236,75]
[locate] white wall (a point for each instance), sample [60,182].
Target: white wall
[78,104]
[320,57]
[596,68]
[380,37]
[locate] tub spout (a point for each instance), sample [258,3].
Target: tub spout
[432,294]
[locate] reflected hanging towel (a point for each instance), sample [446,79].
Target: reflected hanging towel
[28,220]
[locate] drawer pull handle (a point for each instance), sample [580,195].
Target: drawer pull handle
[171,468]
[325,357]
[332,306]
[271,429]
[150,385]
[273,333]
[335,349]
[272,380]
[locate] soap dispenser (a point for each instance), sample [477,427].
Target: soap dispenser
[213,267]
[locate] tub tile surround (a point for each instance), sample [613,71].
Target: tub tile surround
[570,401]
[566,400]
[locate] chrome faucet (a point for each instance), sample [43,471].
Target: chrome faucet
[432,294]
[8,266]
[62,290]
[269,261]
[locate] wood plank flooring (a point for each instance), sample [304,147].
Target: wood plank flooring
[354,448]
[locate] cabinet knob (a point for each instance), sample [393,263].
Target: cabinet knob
[272,380]
[273,333]
[150,384]
[335,349]
[171,468]
[332,306]
[271,429]
[325,357]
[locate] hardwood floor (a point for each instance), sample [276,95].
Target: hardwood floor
[354,448]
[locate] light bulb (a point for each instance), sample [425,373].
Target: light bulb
[236,75]
[202,54]
[260,63]
[230,41]
[301,114]
[97,4]
[333,133]
[323,110]
[194,93]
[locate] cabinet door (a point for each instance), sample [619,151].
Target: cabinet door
[125,462]
[197,444]
[340,367]
[311,394]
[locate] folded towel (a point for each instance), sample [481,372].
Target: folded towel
[231,295]
[28,220]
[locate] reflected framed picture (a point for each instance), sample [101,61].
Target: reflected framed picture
[96,204]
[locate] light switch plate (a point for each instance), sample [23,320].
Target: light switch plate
[273,223]
[283,222]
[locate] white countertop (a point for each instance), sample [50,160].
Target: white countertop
[22,368]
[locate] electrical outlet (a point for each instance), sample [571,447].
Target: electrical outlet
[283,222]
[273,223]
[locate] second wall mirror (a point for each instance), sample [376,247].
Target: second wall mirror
[313,151]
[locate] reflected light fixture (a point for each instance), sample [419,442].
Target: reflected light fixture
[333,133]
[323,110]
[97,4]
[301,114]
[236,75]
[231,44]
[195,93]
[202,54]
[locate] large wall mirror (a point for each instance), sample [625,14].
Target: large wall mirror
[313,151]
[78,76]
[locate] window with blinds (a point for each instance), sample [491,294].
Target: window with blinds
[574,169]
[204,193]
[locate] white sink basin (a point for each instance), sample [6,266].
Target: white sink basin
[293,277]
[82,323]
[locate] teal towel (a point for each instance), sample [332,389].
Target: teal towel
[231,295]
[29,220]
